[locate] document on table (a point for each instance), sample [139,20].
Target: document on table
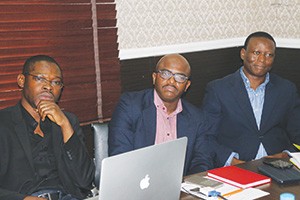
[248,194]
[228,191]
[295,158]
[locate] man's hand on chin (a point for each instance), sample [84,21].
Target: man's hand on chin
[51,110]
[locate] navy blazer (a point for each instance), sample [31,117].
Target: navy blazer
[230,112]
[133,126]
[75,168]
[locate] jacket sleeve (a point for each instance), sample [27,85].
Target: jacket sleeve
[293,118]
[10,195]
[121,128]
[212,107]
[203,153]
[80,166]
[7,168]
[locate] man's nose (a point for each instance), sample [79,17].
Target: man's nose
[172,80]
[47,85]
[261,57]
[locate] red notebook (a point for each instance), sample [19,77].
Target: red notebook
[238,177]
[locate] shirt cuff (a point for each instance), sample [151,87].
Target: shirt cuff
[229,160]
[288,152]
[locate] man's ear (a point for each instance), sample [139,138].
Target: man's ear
[242,53]
[153,78]
[187,85]
[21,80]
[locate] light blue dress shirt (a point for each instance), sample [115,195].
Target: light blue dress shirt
[256,98]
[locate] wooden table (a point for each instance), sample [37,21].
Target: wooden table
[273,188]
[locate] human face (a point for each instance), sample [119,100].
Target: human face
[40,85]
[258,57]
[169,90]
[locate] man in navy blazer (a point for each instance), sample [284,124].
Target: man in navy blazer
[153,116]
[254,113]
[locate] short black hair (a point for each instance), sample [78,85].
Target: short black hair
[29,63]
[259,34]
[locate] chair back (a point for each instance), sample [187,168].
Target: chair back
[100,131]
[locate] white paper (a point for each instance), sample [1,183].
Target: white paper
[295,159]
[246,194]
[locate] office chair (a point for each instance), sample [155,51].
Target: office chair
[100,131]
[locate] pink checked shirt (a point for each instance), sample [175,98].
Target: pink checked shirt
[165,124]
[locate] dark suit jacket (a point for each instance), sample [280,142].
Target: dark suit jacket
[133,126]
[227,102]
[75,168]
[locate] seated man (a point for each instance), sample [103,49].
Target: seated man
[153,116]
[43,155]
[256,113]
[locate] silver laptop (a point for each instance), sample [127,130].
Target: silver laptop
[153,172]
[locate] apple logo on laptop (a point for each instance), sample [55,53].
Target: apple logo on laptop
[145,182]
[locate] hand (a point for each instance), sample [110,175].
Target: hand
[34,198]
[51,110]
[236,161]
[279,155]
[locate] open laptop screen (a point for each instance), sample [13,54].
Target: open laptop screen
[153,172]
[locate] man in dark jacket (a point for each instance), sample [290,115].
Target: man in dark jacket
[43,155]
[153,116]
[255,113]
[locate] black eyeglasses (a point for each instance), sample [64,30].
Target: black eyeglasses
[40,79]
[166,74]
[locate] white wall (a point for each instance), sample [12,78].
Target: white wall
[156,27]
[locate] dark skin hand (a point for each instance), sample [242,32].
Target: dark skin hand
[34,198]
[278,155]
[51,110]
[236,161]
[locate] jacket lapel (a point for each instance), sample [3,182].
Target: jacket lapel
[239,91]
[269,103]
[183,124]
[23,138]
[149,118]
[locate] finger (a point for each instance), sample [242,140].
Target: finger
[44,111]
[50,111]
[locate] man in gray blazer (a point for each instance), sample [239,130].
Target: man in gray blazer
[255,113]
